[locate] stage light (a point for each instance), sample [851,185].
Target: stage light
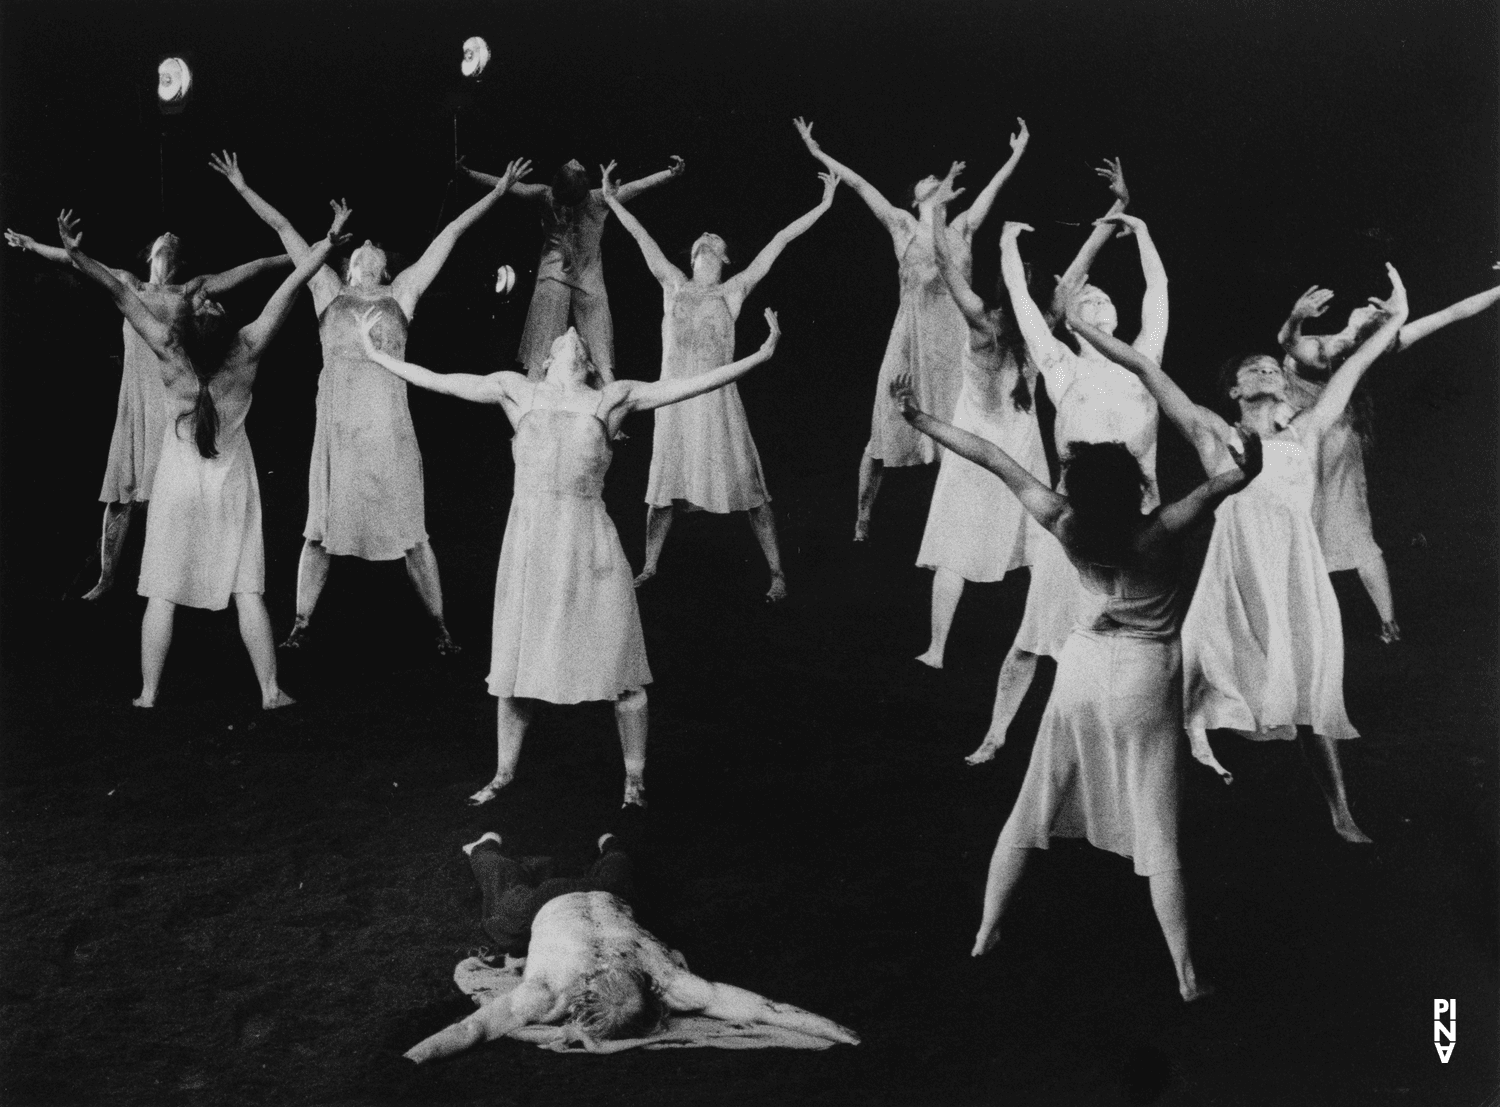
[174,82]
[505,280]
[476,57]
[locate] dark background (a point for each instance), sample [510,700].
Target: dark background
[201,905]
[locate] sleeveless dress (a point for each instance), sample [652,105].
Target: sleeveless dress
[566,625]
[702,454]
[976,527]
[1106,762]
[203,532]
[928,341]
[140,421]
[364,484]
[1096,401]
[1341,501]
[569,281]
[1262,643]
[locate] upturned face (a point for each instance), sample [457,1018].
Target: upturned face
[709,254]
[1097,310]
[568,363]
[367,266]
[164,255]
[1259,378]
[923,190]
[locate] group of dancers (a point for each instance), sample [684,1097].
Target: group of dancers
[1259,650]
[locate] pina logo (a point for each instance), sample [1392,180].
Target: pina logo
[1441,1030]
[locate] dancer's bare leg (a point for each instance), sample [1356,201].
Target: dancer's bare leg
[871,470]
[1016,672]
[1330,776]
[763,523]
[658,522]
[312,574]
[947,587]
[1170,903]
[512,717]
[255,632]
[1376,578]
[117,517]
[156,640]
[422,568]
[631,720]
[1006,865]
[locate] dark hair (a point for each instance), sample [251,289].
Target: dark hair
[570,186]
[1105,487]
[1010,341]
[617,1003]
[206,341]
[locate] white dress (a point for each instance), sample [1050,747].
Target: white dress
[566,625]
[976,527]
[140,412]
[1341,502]
[1262,643]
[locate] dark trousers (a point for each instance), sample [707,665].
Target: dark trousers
[513,892]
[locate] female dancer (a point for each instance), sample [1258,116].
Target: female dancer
[140,411]
[1104,766]
[702,454]
[566,624]
[1341,505]
[203,536]
[976,530]
[927,340]
[1263,644]
[364,486]
[1096,402]
[570,274]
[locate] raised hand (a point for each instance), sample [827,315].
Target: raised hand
[18,240]
[1114,172]
[830,183]
[804,129]
[904,395]
[1396,302]
[1249,456]
[1012,231]
[769,345]
[676,166]
[514,172]
[1312,303]
[606,185]
[1019,140]
[341,213]
[68,230]
[945,190]
[1128,224]
[227,164]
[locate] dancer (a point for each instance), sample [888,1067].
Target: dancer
[1104,766]
[570,274]
[592,966]
[928,337]
[702,454]
[1341,505]
[364,485]
[1096,401]
[976,530]
[203,536]
[566,626]
[140,411]
[1263,644]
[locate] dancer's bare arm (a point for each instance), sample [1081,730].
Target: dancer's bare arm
[1040,502]
[1340,387]
[158,335]
[963,293]
[521,1007]
[227,165]
[1472,305]
[656,261]
[1049,355]
[523,189]
[414,280]
[742,283]
[255,337]
[1077,271]
[631,189]
[967,222]
[622,397]
[1306,350]
[884,210]
[490,388]
[1152,340]
[692,994]
[216,283]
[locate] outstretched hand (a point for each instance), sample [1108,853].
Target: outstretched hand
[1128,224]
[830,183]
[1312,303]
[68,229]
[904,395]
[769,345]
[1249,456]
[227,164]
[1012,231]
[676,166]
[341,213]
[514,172]
[1395,303]
[18,240]
[804,128]
[606,183]
[1114,173]
[1019,139]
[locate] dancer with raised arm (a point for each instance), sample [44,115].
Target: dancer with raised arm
[203,533]
[566,626]
[1341,505]
[1096,401]
[976,530]
[364,485]
[140,410]
[570,274]
[929,335]
[702,455]
[1263,643]
[1105,763]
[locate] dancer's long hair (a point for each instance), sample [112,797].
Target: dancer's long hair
[1105,488]
[206,340]
[570,187]
[1011,341]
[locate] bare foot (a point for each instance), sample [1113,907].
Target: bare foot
[144,700]
[635,792]
[933,658]
[777,592]
[488,836]
[861,530]
[1195,989]
[987,749]
[985,941]
[280,699]
[1390,633]
[1343,824]
[446,646]
[644,575]
[298,637]
[489,791]
[106,583]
